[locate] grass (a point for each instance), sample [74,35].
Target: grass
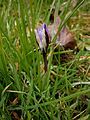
[26,92]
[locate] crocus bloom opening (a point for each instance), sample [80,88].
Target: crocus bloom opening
[42,37]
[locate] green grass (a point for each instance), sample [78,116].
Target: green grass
[38,95]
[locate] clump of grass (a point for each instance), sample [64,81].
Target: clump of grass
[26,92]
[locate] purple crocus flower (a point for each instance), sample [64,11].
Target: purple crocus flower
[42,37]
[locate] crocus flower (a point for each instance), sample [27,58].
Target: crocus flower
[42,37]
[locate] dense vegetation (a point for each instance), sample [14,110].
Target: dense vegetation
[26,92]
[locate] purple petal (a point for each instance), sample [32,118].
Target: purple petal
[45,27]
[40,31]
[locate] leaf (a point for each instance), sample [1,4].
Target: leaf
[15,116]
[65,38]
